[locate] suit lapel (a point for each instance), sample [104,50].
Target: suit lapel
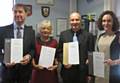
[25,34]
[81,37]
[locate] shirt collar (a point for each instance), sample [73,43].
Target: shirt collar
[78,32]
[15,26]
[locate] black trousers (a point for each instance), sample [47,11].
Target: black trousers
[18,74]
[74,75]
[15,81]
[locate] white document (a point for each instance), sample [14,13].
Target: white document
[73,52]
[47,56]
[13,50]
[16,50]
[98,64]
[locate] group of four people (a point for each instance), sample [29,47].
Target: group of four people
[28,69]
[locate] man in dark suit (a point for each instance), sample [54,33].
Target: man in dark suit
[19,72]
[76,73]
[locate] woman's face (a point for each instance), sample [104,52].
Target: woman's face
[45,32]
[107,22]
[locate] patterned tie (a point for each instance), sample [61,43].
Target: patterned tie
[74,37]
[19,32]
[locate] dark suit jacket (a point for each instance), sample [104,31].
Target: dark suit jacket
[1,43]
[85,39]
[22,71]
[86,44]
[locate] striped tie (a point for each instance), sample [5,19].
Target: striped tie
[19,32]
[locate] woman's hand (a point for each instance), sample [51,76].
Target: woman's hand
[52,67]
[36,66]
[39,67]
[109,62]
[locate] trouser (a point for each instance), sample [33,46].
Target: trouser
[73,75]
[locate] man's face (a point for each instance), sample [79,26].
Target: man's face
[75,21]
[19,15]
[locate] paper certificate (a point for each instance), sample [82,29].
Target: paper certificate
[16,50]
[98,64]
[13,50]
[47,55]
[71,53]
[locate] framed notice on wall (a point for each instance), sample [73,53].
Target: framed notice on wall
[45,2]
[29,10]
[62,25]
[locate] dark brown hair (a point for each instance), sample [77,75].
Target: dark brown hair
[20,5]
[115,25]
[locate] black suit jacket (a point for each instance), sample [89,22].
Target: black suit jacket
[86,45]
[23,71]
[85,40]
[1,43]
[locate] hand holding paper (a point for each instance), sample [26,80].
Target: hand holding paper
[13,50]
[98,62]
[47,56]
[26,59]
